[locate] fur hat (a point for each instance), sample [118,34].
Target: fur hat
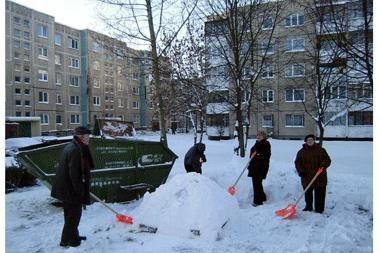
[309,136]
[262,133]
[82,130]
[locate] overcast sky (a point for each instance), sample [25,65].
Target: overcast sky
[79,14]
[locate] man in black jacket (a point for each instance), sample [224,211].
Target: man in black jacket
[194,158]
[72,184]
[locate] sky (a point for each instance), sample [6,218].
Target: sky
[79,14]
[201,202]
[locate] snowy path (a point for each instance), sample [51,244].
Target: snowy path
[34,225]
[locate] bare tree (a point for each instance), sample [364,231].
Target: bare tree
[234,36]
[143,22]
[188,60]
[328,78]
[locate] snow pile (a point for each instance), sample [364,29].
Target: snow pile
[186,204]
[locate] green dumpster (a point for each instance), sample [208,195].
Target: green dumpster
[124,169]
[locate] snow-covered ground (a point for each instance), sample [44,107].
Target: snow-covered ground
[201,202]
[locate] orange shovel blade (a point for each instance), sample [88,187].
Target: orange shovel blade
[232,190]
[287,212]
[124,218]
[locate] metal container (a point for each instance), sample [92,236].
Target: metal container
[124,169]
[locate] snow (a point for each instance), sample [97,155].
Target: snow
[200,202]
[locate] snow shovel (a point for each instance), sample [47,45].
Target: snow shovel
[289,211]
[232,189]
[119,217]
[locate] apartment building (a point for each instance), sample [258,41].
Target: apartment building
[69,77]
[282,90]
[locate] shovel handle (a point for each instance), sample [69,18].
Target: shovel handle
[320,170]
[246,166]
[102,202]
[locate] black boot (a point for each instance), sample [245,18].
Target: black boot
[308,209]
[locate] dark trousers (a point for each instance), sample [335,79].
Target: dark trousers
[72,213]
[258,191]
[190,168]
[319,198]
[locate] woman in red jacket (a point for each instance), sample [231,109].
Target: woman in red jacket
[309,158]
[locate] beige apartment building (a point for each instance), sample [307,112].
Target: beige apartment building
[282,88]
[70,77]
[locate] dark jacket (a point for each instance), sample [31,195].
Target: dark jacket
[72,180]
[192,158]
[259,165]
[308,160]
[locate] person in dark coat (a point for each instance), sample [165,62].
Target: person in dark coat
[194,158]
[72,184]
[259,166]
[309,158]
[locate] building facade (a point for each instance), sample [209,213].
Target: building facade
[284,95]
[70,77]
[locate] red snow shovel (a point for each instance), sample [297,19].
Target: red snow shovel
[119,217]
[290,211]
[232,189]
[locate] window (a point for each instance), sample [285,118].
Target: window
[27,80]
[17,91]
[267,48]
[27,114]
[18,114]
[17,20]
[73,43]
[337,92]
[119,85]
[17,43]
[74,63]
[42,31]
[268,71]
[334,120]
[267,22]
[26,35]
[294,20]
[44,119]
[360,118]
[136,91]
[59,99]
[267,120]
[18,102]
[27,92]
[120,103]
[295,95]
[17,33]
[74,81]
[17,79]
[96,100]
[26,68]
[26,45]
[96,47]
[27,103]
[295,44]
[135,104]
[74,119]
[43,97]
[58,39]
[42,75]
[96,83]
[295,70]
[268,96]
[16,55]
[135,75]
[58,78]
[58,119]
[26,23]
[293,120]
[218,120]
[58,59]
[42,52]
[74,100]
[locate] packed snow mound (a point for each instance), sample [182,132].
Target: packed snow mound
[188,202]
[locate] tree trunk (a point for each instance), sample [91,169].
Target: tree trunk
[156,75]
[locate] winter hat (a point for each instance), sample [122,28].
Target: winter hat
[309,136]
[82,130]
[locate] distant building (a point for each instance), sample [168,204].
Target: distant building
[68,77]
[281,91]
